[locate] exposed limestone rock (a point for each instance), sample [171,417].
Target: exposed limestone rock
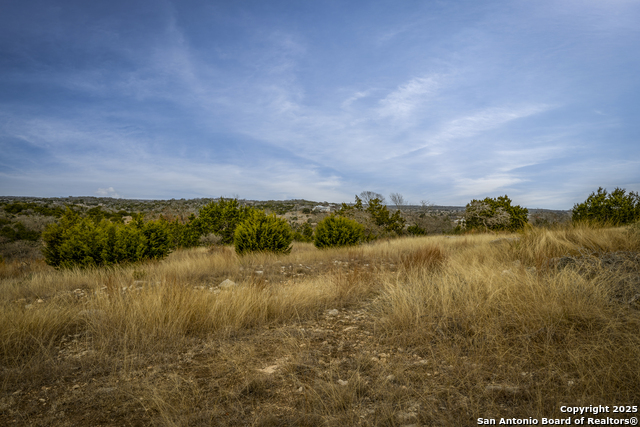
[228,284]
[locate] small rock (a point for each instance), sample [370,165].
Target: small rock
[269,369]
[342,382]
[391,378]
[39,301]
[333,312]
[227,284]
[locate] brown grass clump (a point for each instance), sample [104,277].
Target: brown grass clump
[426,331]
[424,258]
[539,245]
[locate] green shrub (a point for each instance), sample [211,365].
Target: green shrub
[81,242]
[17,231]
[221,218]
[616,208]
[185,235]
[156,240]
[128,245]
[303,233]
[18,207]
[376,219]
[495,214]
[383,218]
[262,233]
[416,230]
[338,231]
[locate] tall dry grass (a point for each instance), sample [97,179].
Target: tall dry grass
[555,333]
[157,307]
[515,331]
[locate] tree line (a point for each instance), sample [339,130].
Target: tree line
[97,239]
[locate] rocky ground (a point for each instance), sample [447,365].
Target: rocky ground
[335,367]
[280,375]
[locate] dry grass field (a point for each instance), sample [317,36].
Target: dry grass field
[432,331]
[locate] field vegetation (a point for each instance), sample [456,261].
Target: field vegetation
[432,330]
[149,316]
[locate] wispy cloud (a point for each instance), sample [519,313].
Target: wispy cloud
[486,185]
[288,102]
[356,96]
[487,119]
[388,35]
[404,101]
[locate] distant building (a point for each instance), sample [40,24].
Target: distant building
[324,209]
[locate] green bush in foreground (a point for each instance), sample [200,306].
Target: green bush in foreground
[338,231]
[262,233]
[82,242]
[614,208]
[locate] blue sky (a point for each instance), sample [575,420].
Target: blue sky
[444,101]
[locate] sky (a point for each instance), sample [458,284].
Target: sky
[441,101]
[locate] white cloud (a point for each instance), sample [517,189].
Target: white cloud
[402,102]
[107,192]
[358,95]
[456,133]
[487,119]
[510,160]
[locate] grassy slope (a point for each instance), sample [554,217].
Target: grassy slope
[433,331]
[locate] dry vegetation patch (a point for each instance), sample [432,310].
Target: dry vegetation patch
[418,331]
